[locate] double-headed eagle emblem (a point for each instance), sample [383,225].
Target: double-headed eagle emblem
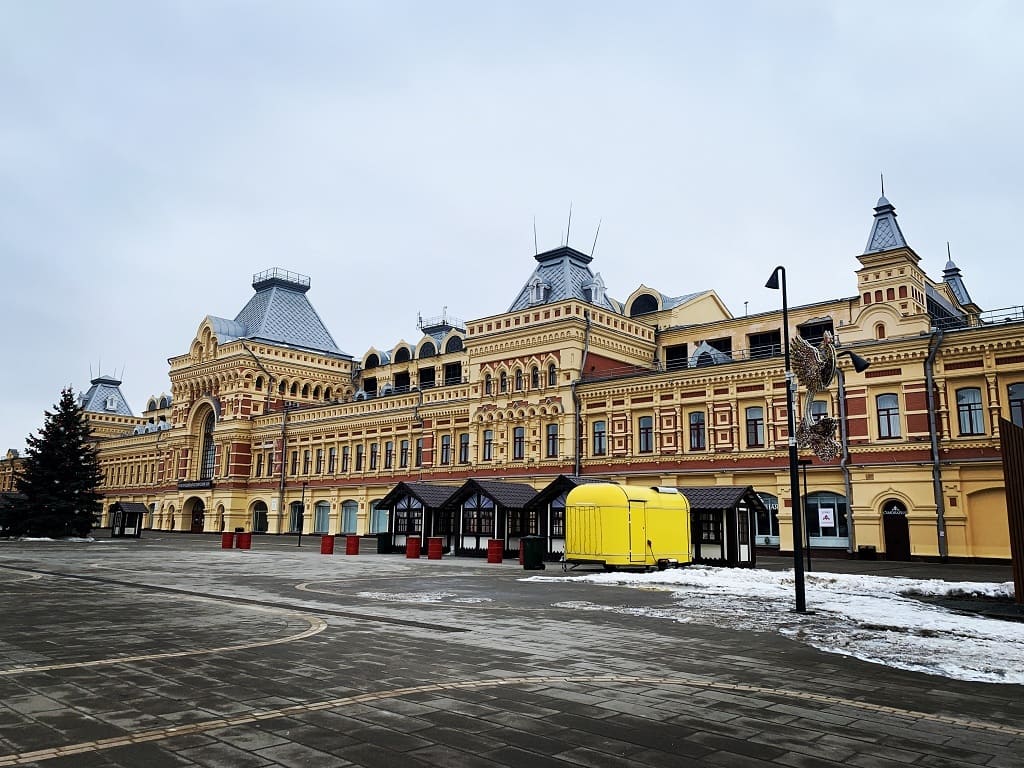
[815,367]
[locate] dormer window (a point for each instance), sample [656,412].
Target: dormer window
[594,290]
[538,290]
[111,404]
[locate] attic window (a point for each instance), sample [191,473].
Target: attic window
[111,404]
[538,291]
[594,290]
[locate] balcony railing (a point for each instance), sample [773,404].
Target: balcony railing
[990,318]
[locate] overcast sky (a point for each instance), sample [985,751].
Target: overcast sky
[153,156]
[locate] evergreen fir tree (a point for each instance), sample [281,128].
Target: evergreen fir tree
[59,478]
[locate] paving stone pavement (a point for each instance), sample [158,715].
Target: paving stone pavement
[168,651]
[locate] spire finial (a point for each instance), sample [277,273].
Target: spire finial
[882,177]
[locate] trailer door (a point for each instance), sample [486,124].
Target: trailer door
[637,531]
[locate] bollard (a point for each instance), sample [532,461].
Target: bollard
[351,545]
[435,548]
[495,550]
[243,541]
[227,540]
[327,544]
[412,548]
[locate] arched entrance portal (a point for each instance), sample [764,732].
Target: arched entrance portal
[195,511]
[259,517]
[896,530]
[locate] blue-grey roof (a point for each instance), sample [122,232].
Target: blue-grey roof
[226,330]
[942,301]
[885,232]
[563,274]
[952,277]
[104,396]
[280,313]
[671,302]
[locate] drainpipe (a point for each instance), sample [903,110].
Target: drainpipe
[578,425]
[940,507]
[845,462]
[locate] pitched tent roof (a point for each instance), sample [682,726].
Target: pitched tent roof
[430,495]
[886,234]
[561,274]
[718,497]
[280,313]
[504,494]
[558,486]
[105,396]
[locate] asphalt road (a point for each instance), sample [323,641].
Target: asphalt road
[168,651]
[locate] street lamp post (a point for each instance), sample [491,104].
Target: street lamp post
[775,282]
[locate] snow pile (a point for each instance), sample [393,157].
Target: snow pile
[872,618]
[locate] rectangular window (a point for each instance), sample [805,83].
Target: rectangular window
[698,432]
[645,435]
[359,458]
[558,521]
[488,445]
[295,463]
[419,452]
[319,461]
[888,407]
[519,443]
[374,450]
[332,460]
[755,427]
[389,454]
[446,449]
[819,410]
[259,465]
[464,448]
[552,446]
[403,459]
[969,412]
[270,464]
[345,453]
[306,459]
[1015,394]
[600,438]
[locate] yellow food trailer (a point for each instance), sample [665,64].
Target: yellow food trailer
[623,526]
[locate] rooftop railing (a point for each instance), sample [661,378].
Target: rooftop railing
[984,319]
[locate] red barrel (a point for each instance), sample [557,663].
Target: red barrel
[327,544]
[412,548]
[243,541]
[227,540]
[351,545]
[435,548]
[495,550]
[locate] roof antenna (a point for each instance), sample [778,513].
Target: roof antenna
[595,238]
[536,250]
[90,372]
[949,253]
[569,225]
[882,177]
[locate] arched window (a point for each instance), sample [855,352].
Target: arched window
[327,393]
[209,447]
[519,379]
[454,344]
[282,387]
[766,524]
[969,412]
[316,392]
[372,361]
[428,350]
[259,517]
[402,355]
[825,517]
[349,516]
[503,382]
[259,383]
[642,305]
[322,517]
[305,390]
[165,402]
[294,391]
[534,378]
[552,375]
[487,384]
[1015,394]
[879,330]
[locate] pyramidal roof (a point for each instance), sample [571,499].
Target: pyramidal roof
[885,232]
[104,396]
[563,274]
[279,313]
[952,277]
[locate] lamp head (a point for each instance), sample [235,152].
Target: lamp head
[859,363]
[773,281]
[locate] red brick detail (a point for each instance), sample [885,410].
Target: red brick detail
[882,372]
[963,364]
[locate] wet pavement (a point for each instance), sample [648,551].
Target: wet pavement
[168,651]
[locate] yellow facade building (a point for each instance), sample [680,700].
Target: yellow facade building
[270,426]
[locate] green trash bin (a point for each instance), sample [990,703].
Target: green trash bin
[533,552]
